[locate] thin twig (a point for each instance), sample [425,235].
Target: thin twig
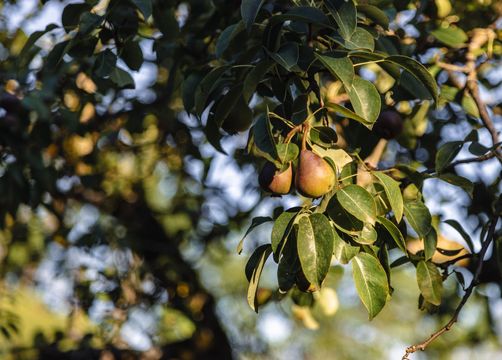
[481,255]
[487,156]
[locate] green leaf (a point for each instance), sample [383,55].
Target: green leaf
[360,39]
[470,106]
[418,71]
[358,202]
[345,15]
[375,14]
[323,136]
[227,104]
[418,216]
[257,221]
[88,23]
[315,247]
[305,14]
[459,181]
[254,268]
[105,63]
[71,15]
[287,152]
[289,265]
[122,78]
[429,282]
[254,77]
[456,225]
[281,230]
[368,235]
[430,244]
[342,68]
[365,100]
[249,10]
[33,39]
[446,154]
[56,55]
[452,36]
[370,280]
[393,193]
[132,55]
[287,56]
[189,87]
[206,87]
[339,109]
[394,232]
[145,6]
[263,137]
[226,38]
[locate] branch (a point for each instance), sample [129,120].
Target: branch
[481,255]
[487,156]
[479,38]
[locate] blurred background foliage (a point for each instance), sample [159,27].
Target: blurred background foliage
[119,222]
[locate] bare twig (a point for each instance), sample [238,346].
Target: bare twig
[484,247]
[452,67]
[487,156]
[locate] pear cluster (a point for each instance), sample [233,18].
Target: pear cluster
[314,177]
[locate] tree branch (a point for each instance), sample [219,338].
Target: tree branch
[479,38]
[468,292]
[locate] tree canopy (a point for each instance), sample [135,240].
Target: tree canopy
[346,126]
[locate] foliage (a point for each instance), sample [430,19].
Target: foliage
[298,77]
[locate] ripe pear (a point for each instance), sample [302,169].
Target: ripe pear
[273,180]
[389,124]
[314,176]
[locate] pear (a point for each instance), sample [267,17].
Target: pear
[389,124]
[273,180]
[314,176]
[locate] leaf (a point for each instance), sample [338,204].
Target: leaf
[365,100]
[33,39]
[418,216]
[281,230]
[132,55]
[358,202]
[429,282]
[190,85]
[105,63]
[71,15]
[446,154]
[287,152]
[452,36]
[394,232]
[459,181]
[418,71]
[249,11]
[375,14]
[360,39]
[254,268]
[206,87]
[456,225]
[430,244]
[315,247]
[254,77]
[342,68]
[287,56]
[88,23]
[145,6]
[393,193]
[263,138]
[344,13]
[122,78]
[324,136]
[226,38]
[368,235]
[305,14]
[371,284]
[257,221]
[347,113]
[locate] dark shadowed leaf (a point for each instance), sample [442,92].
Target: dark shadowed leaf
[254,268]
[394,232]
[257,221]
[446,154]
[249,10]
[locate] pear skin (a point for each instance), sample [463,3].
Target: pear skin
[314,176]
[274,181]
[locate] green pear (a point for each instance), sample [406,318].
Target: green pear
[314,176]
[273,180]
